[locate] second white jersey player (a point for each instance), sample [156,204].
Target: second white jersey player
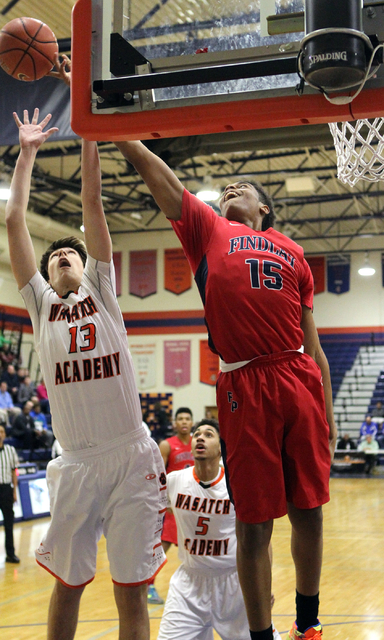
[204,593]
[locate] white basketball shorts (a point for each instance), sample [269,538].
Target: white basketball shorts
[117,489]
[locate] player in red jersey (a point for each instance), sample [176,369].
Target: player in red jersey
[274,392]
[177,455]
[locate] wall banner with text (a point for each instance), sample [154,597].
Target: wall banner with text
[142,273]
[144,360]
[177,272]
[209,364]
[338,273]
[177,362]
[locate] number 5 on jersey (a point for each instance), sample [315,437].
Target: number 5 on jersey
[202,524]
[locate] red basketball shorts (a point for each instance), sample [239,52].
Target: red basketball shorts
[273,423]
[169,533]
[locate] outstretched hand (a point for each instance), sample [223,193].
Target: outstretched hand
[32,135]
[63,69]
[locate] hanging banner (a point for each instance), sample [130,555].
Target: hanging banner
[117,263]
[144,360]
[209,364]
[177,272]
[142,273]
[338,273]
[317,266]
[177,362]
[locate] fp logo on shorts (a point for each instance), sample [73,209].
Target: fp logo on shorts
[231,401]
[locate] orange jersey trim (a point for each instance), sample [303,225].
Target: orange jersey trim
[71,586]
[212,484]
[138,584]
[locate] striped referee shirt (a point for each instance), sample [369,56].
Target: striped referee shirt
[8,462]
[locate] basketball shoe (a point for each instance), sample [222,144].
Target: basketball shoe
[153,597]
[312,633]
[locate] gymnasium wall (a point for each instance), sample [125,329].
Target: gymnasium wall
[166,316]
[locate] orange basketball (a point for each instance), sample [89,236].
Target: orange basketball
[27,49]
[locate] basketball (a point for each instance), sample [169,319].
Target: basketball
[27,49]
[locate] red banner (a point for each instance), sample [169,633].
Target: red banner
[177,272]
[317,266]
[209,364]
[117,263]
[177,362]
[142,273]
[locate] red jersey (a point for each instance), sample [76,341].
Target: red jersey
[180,456]
[252,283]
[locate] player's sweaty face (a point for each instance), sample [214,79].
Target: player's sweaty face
[205,442]
[183,423]
[240,203]
[65,269]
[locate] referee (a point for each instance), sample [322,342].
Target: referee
[8,484]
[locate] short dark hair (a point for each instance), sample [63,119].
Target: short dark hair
[183,410]
[210,423]
[70,241]
[265,198]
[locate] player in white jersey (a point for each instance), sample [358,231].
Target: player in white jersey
[204,592]
[110,477]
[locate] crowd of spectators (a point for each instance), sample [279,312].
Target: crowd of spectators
[24,407]
[371,438]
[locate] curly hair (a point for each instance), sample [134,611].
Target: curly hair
[70,241]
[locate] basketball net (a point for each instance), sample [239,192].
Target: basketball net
[359,150]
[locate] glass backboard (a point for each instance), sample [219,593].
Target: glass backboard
[186,67]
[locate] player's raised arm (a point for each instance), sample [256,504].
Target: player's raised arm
[97,238]
[165,187]
[21,251]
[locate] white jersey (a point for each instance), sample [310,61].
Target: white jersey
[205,520]
[87,368]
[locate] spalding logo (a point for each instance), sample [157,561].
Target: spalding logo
[325,57]
[150,476]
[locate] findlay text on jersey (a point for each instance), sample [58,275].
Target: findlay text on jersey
[259,243]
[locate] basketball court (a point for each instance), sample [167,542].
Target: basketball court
[351,591]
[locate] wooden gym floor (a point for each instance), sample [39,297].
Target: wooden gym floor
[352,602]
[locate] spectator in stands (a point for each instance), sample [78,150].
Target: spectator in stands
[23,428]
[9,411]
[12,379]
[21,373]
[27,391]
[368,428]
[6,356]
[378,413]
[370,447]
[346,443]
[44,436]
[42,394]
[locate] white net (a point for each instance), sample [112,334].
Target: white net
[359,150]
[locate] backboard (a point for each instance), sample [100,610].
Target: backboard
[189,67]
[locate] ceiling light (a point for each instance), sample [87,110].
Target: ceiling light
[5,194]
[136,216]
[82,228]
[208,191]
[301,185]
[366,269]
[208,195]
